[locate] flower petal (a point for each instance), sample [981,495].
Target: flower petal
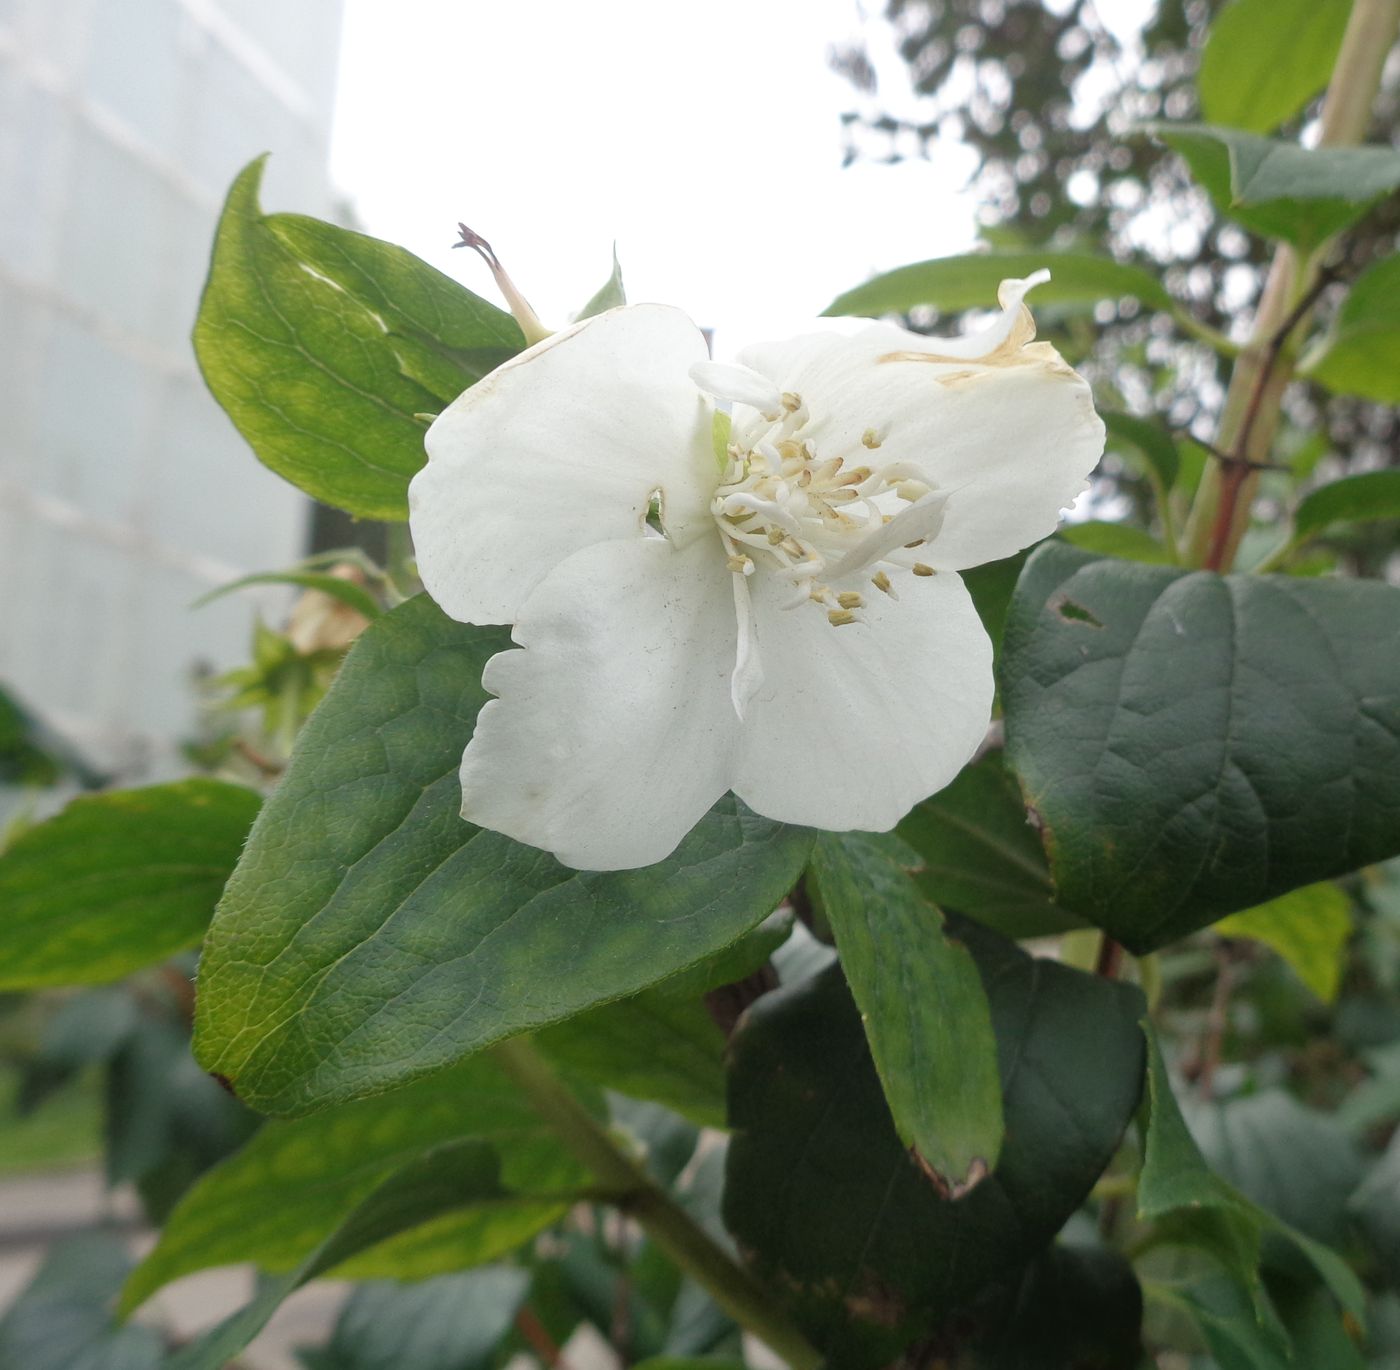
[562,447]
[855,725]
[1001,425]
[612,731]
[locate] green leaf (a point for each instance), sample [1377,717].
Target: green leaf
[370,935]
[655,1045]
[1361,353]
[1176,1183]
[293,1184]
[991,586]
[1280,190]
[1147,438]
[1308,927]
[924,1010]
[608,295]
[1353,499]
[952,284]
[324,347]
[453,1322]
[981,857]
[1197,744]
[451,1178]
[1265,59]
[62,1320]
[345,591]
[1376,1206]
[1116,540]
[1291,1160]
[825,1200]
[117,880]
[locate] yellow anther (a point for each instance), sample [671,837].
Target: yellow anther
[791,402]
[838,618]
[856,476]
[918,542]
[776,535]
[871,439]
[882,582]
[740,564]
[921,570]
[841,495]
[911,490]
[849,599]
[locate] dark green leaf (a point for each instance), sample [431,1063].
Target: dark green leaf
[455,1177]
[991,586]
[1265,59]
[295,1182]
[346,591]
[1376,1208]
[825,1200]
[1308,927]
[324,346]
[980,856]
[608,295]
[951,284]
[117,880]
[1281,190]
[1361,353]
[924,1010]
[1147,438]
[370,935]
[454,1322]
[62,1318]
[1353,499]
[689,1363]
[1196,744]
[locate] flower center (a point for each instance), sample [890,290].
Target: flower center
[804,515]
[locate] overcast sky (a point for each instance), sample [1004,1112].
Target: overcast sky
[704,137]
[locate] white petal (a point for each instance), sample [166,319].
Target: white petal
[1009,435]
[613,728]
[738,385]
[560,448]
[919,521]
[855,725]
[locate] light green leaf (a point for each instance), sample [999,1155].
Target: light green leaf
[1353,499]
[1308,927]
[980,856]
[345,591]
[324,346]
[290,1186]
[1361,353]
[1116,540]
[1147,438]
[924,1009]
[608,295]
[1265,59]
[1280,190]
[952,284]
[371,936]
[117,881]
[1197,744]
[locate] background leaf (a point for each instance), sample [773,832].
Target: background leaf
[118,880]
[323,346]
[924,1010]
[1361,353]
[608,295]
[1353,499]
[1265,59]
[370,935]
[1308,927]
[1196,744]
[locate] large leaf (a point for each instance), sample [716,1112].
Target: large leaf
[325,347]
[1196,744]
[924,1010]
[370,935]
[1361,353]
[824,1198]
[980,856]
[1265,59]
[1278,189]
[1308,927]
[289,1188]
[1353,499]
[951,284]
[118,880]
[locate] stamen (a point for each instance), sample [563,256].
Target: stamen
[849,599]
[871,439]
[839,618]
[921,570]
[882,582]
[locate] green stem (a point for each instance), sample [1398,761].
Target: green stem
[1220,515]
[664,1221]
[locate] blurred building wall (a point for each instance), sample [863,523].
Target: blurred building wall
[124,492]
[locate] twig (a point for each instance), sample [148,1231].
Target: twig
[1110,958]
[533,1330]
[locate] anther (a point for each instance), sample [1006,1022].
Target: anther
[791,402]
[838,618]
[918,542]
[849,599]
[921,570]
[740,564]
[882,582]
[870,438]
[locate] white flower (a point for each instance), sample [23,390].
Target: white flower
[789,624]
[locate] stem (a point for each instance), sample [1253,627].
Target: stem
[664,1221]
[1221,513]
[1110,958]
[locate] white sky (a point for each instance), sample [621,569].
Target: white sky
[703,136]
